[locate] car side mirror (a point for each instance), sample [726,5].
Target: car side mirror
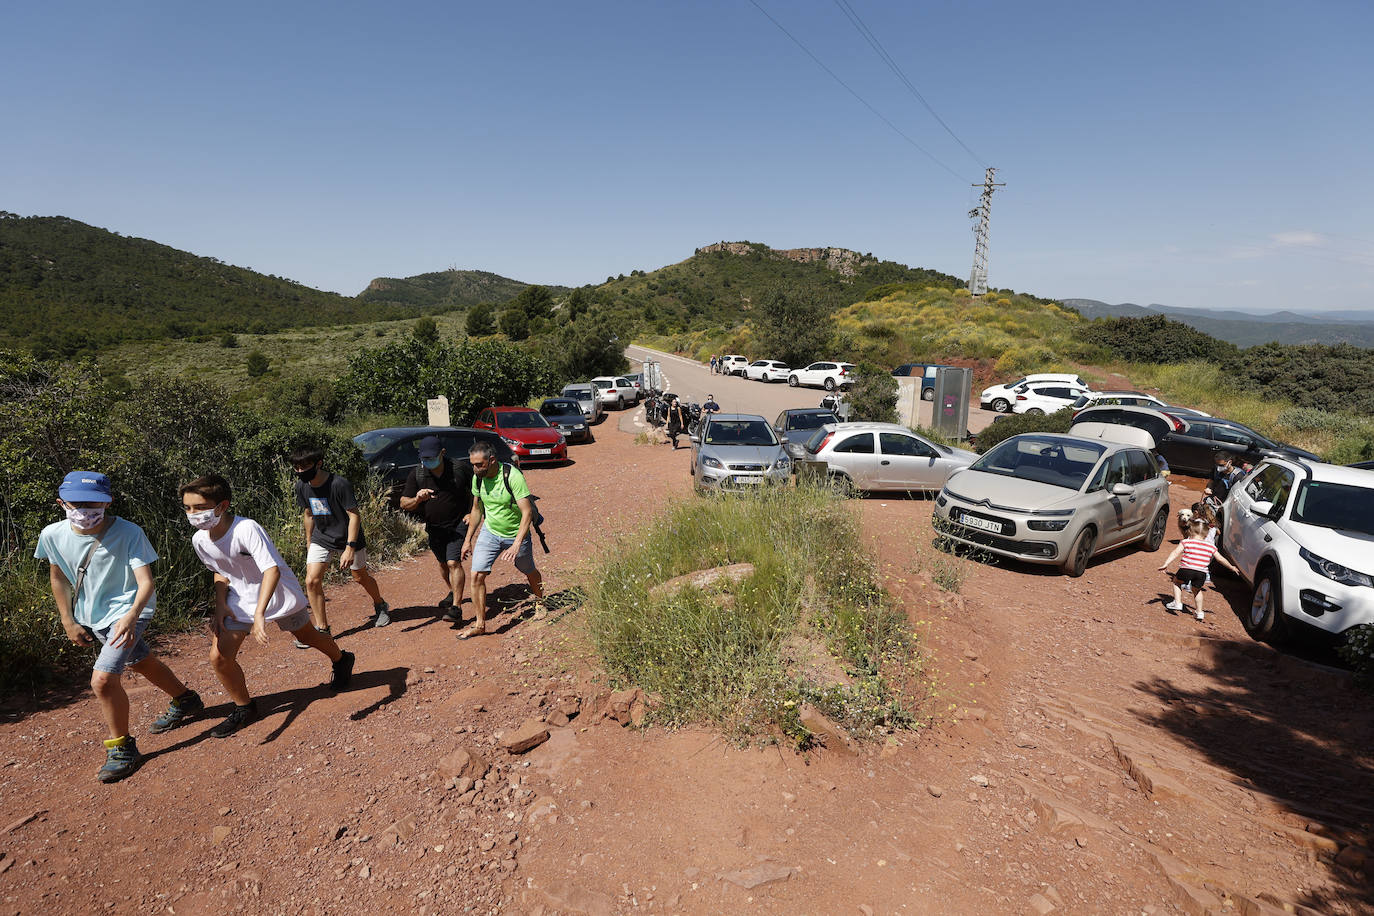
[782,440]
[1265,509]
[1122,489]
[695,440]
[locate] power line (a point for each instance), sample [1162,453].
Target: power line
[897,130]
[878,48]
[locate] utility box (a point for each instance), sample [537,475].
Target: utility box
[949,413]
[908,399]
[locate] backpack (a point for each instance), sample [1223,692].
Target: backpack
[536,517]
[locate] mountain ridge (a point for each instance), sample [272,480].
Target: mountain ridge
[1247,329]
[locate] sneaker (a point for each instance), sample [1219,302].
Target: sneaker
[301,645]
[453,615]
[1175,605]
[382,618]
[121,759]
[180,710]
[343,672]
[237,719]
[1188,588]
[1200,617]
[447,600]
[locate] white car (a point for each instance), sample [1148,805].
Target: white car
[1302,534]
[732,365]
[865,457]
[1045,397]
[823,375]
[1001,397]
[766,370]
[616,391]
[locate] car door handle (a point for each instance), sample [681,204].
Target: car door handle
[885,461]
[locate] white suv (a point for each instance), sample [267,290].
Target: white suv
[767,370]
[1045,397]
[1001,397]
[1301,535]
[615,391]
[733,365]
[823,375]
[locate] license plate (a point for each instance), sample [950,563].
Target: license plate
[984,524]
[747,480]
[541,451]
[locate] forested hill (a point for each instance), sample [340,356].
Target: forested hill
[446,289]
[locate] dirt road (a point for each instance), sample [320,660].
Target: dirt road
[1092,754]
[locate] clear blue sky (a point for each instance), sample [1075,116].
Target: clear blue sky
[1197,154]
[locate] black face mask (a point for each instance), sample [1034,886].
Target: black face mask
[309,475]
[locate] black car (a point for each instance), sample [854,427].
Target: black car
[1190,442]
[1363,465]
[393,452]
[565,415]
[791,422]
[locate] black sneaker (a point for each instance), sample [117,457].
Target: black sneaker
[382,618]
[180,710]
[343,672]
[120,759]
[241,716]
[447,600]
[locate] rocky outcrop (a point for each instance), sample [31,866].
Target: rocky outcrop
[841,260]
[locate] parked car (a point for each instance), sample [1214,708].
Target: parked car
[637,379]
[737,452]
[1193,449]
[1059,499]
[586,398]
[1045,397]
[795,424]
[565,415]
[925,372]
[1000,397]
[733,364]
[823,375]
[1300,533]
[866,457]
[1362,465]
[1157,423]
[524,429]
[1130,399]
[767,370]
[615,391]
[393,451]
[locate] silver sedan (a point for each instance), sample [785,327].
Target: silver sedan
[880,456]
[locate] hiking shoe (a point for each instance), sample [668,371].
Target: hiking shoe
[237,719]
[324,630]
[1200,617]
[180,710]
[121,759]
[1175,605]
[382,618]
[343,672]
[446,601]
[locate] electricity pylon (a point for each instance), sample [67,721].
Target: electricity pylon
[978,280]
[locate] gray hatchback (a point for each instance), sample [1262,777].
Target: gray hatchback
[737,452]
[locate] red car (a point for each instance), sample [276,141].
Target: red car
[527,433]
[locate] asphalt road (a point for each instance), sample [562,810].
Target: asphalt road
[692,380]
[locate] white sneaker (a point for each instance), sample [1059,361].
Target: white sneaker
[1175,605]
[1200,617]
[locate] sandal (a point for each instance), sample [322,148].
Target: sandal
[472,630]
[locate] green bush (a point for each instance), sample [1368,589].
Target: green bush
[1155,339]
[1358,652]
[874,395]
[1017,423]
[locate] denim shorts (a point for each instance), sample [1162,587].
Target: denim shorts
[114,661]
[490,545]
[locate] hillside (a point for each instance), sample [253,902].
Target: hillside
[444,290]
[1245,329]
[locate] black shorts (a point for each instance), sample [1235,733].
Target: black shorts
[1194,577]
[447,543]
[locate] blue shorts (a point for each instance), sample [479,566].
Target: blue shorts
[114,661]
[490,545]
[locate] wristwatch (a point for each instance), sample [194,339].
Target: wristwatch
[356,545]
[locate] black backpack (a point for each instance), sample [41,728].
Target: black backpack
[536,517]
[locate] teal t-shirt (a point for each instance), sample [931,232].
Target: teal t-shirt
[109,588]
[499,505]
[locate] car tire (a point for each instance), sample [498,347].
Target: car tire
[1035,411]
[619,403]
[1076,563]
[842,485]
[830,384]
[1154,539]
[928,394]
[1001,405]
[793,381]
[1264,619]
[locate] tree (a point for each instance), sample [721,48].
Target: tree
[793,329]
[576,304]
[481,320]
[257,364]
[426,330]
[535,302]
[874,395]
[515,324]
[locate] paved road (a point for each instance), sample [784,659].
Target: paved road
[693,380]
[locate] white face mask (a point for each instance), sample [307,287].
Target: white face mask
[203,520]
[85,519]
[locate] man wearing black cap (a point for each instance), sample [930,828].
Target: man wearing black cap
[440,492]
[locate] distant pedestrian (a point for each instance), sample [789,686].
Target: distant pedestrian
[677,420]
[101,573]
[1197,554]
[710,406]
[440,491]
[253,585]
[713,364]
[499,529]
[333,528]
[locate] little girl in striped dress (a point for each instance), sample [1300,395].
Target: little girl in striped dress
[1197,553]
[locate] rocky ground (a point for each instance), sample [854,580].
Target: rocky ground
[1090,753]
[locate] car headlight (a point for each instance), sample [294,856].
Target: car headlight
[708,461]
[783,463]
[513,443]
[1334,571]
[941,500]
[1044,524]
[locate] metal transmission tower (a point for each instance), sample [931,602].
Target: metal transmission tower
[978,280]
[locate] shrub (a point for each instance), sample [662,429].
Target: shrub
[1358,653]
[257,364]
[874,395]
[228,341]
[1015,424]
[1155,339]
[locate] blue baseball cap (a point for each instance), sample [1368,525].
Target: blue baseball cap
[430,446]
[85,487]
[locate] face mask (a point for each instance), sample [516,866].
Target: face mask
[308,475]
[433,463]
[203,520]
[85,519]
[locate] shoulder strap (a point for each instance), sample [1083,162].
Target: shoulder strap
[505,478]
[81,570]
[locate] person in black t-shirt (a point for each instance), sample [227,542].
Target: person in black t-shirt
[333,528]
[440,491]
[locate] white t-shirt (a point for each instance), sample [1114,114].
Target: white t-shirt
[242,555]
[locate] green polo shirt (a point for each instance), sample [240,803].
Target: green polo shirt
[499,505]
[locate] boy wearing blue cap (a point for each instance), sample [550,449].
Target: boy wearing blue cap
[100,568]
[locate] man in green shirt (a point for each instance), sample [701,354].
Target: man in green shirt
[498,530]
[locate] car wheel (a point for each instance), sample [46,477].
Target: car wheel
[792,381]
[1001,405]
[1155,539]
[928,394]
[830,384]
[590,438]
[619,403]
[1077,561]
[1264,620]
[1035,411]
[842,485]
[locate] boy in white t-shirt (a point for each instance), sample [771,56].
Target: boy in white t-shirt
[253,585]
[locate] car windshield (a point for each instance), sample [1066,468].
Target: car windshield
[1081,401]
[811,420]
[559,408]
[1057,462]
[583,393]
[740,432]
[371,443]
[1335,505]
[521,420]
